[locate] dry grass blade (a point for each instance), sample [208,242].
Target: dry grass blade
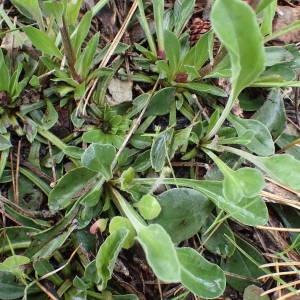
[281,287]
[279,229]
[108,54]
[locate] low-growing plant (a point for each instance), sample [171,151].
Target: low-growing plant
[119,172]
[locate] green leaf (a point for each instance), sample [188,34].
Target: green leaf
[118,222]
[283,168]
[165,264]
[243,183]
[70,187]
[30,129]
[251,212]
[240,264]
[98,136]
[4,74]
[4,143]
[201,277]
[216,241]
[42,41]
[262,143]
[172,49]
[263,4]
[203,88]
[50,117]
[99,158]
[108,253]
[54,244]
[84,62]
[289,139]
[182,12]
[245,49]
[272,113]
[55,9]
[30,9]
[13,263]
[183,213]
[148,207]
[72,11]
[159,149]
[161,101]
[12,290]
[79,34]
[199,53]
[253,292]
[276,55]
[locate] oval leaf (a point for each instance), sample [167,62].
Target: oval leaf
[183,213]
[148,207]
[203,278]
[159,149]
[251,212]
[99,158]
[70,187]
[160,252]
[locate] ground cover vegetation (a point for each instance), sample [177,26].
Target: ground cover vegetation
[149,149]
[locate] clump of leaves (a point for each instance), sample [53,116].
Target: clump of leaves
[126,164]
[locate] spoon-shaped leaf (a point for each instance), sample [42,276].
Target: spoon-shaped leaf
[107,255]
[243,183]
[203,278]
[160,252]
[242,38]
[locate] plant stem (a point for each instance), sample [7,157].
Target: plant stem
[69,51]
[137,222]
[222,118]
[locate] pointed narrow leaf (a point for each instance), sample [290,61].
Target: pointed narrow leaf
[30,9]
[203,88]
[245,47]
[42,41]
[172,48]
[160,252]
[182,12]
[4,143]
[79,34]
[85,61]
[159,149]
[203,278]
[4,74]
